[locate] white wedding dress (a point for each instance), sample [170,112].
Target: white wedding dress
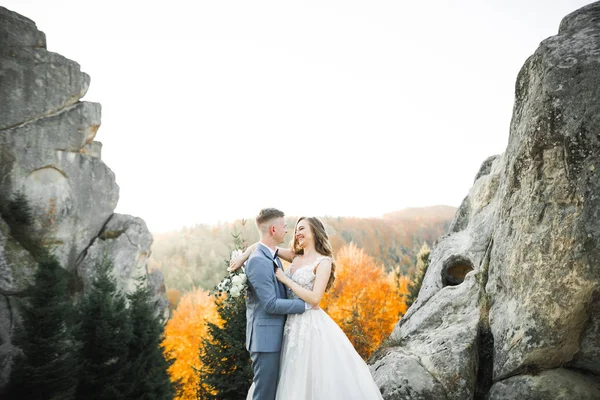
[318,362]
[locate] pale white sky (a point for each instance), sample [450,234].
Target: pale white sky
[215,109]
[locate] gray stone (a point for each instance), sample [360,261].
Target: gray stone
[17,265]
[48,153]
[6,275]
[156,283]
[72,195]
[68,131]
[554,384]
[486,167]
[544,276]
[529,231]
[33,81]
[125,242]
[16,30]
[93,149]
[400,376]
[442,335]
[467,246]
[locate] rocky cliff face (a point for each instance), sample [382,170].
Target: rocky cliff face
[510,305]
[49,157]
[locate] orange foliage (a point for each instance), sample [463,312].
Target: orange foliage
[364,301]
[173,295]
[183,338]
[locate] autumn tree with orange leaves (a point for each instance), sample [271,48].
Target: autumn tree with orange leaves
[364,301]
[183,339]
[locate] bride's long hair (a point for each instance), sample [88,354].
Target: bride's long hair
[322,244]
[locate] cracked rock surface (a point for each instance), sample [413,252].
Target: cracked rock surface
[50,159]
[525,321]
[125,241]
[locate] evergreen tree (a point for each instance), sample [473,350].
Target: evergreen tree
[47,369]
[18,214]
[226,372]
[105,332]
[148,373]
[17,210]
[420,270]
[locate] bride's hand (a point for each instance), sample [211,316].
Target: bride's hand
[235,263]
[281,276]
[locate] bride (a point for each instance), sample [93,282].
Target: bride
[317,359]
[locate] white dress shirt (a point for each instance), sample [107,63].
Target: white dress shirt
[271,250]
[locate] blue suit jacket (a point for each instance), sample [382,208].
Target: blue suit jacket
[266,303]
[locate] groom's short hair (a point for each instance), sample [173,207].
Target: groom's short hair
[267,214]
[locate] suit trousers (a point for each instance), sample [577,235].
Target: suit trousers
[266,374]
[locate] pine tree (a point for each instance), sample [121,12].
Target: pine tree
[18,214]
[48,367]
[105,332]
[421,269]
[226,372]
[17,210]
[148,373]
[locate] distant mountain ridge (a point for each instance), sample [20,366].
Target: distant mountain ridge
[195,256]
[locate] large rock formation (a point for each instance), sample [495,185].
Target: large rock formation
[510,304]
[50,161]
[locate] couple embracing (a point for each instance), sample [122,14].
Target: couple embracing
[298,352]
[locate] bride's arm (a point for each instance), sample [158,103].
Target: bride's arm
[237,262]
[312,297]
[287,254]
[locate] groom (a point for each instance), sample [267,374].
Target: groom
[266,304]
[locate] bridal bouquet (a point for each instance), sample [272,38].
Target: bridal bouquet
[236,283]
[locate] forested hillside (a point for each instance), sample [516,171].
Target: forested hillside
[194,257]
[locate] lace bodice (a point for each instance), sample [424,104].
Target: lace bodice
[303,276]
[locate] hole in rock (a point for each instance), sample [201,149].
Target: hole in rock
[455,269]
